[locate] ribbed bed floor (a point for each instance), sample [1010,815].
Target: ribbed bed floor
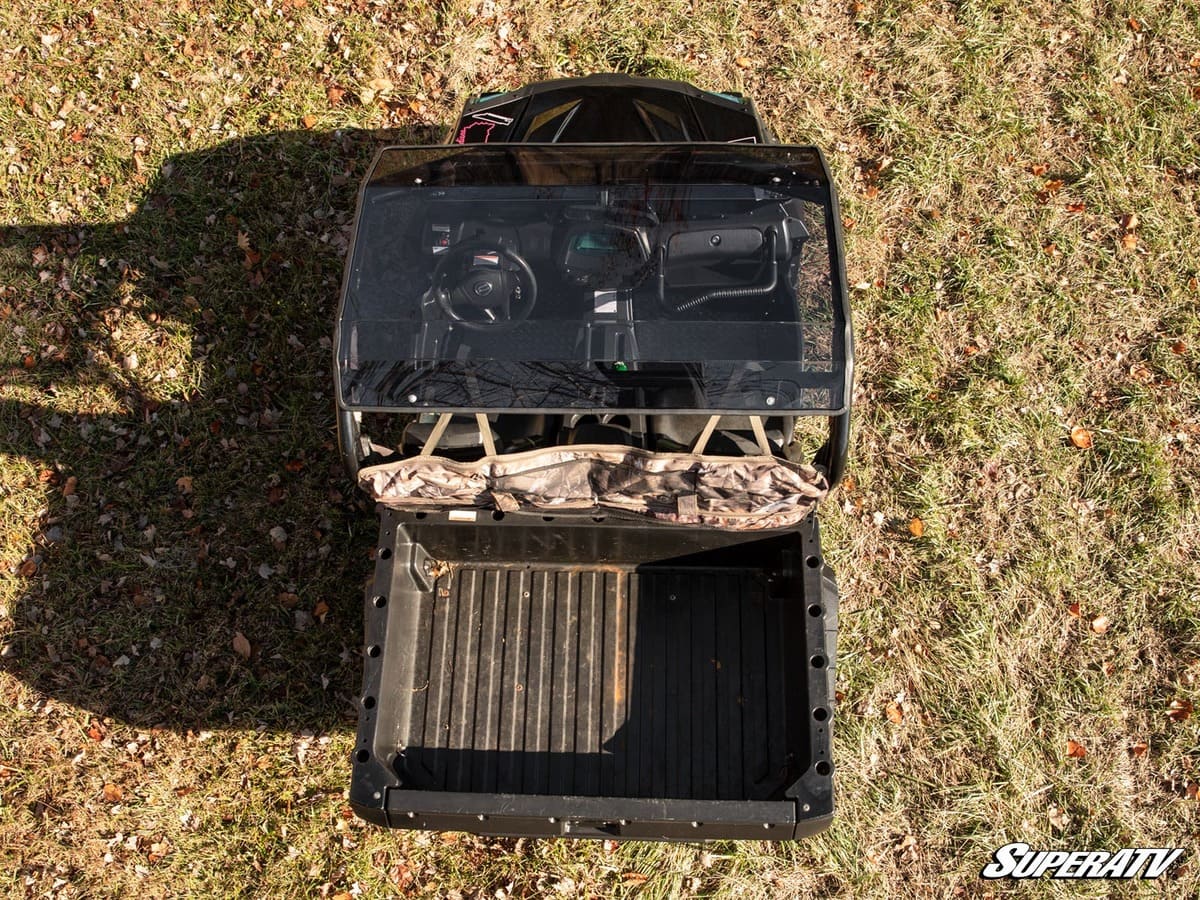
[667,683]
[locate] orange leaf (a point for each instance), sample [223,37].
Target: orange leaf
[70,487]
[1053,186]
[320,611]
[1192,791]
[113,793]
[96,731]
[1128,241]
[335,94]
[1179,348]
[1081,437]
[1073,609]
[635,877]
[894,713]
[1129,222]
[241,645]
[28,568]
[1039,169]
[916,527]
[1076,750]
[294,465]
[1101,624]
[1076,207]
[1180,710]
[308,121]
[1134,24]
[1139,749]
[743,62]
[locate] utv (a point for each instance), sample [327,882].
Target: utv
[599,607]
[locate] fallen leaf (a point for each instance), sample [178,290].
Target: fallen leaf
[308,121]
[1101,624]
[1039,169]
[1139,748]
[113,793]
[1076,750]
[1179,710]
[184,484]
[1076,207]
[70,487]
[95,731]
[916,527]
[895,713]
[1073,609]
[335,94]
[635,877]
[287,600]
[743,62]
[1059,817]
[1081,437]
[241,646]
[28,568]
[1141,372]
[1053,186]
[1050,249]
[1179,348]
[1128,241]
[1134,24]
[294,465]
[1129,221]
[320,611]
[1192,791]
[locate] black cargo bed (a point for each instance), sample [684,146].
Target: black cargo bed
[509,690]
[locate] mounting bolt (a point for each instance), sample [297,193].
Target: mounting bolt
[412,398]
[770,401]
[481,817]
[715,240]
[695,824]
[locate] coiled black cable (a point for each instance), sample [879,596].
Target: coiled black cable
[735,293]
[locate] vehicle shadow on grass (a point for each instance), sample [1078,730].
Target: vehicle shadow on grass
[166,390]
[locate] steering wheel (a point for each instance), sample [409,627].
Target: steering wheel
[482,295]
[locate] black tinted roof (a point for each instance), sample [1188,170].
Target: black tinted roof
[700,277]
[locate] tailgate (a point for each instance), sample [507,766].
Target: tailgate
[532,677]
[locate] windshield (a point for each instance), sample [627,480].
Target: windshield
[615,277]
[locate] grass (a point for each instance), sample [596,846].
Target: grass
[178,181]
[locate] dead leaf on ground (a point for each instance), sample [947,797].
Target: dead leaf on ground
[71,486]
[1081,437]
[1073,609]
[1179,348]
[334,95]
[635,877]
[241,645]
[1139,748]
[1129,222]
[1076,750]
[743,62]
[1179,710]
[287,599]
[113,793]
[916,527]
[1039,169]
[1129,241]
[184,484]
[308,121]
[1101,624]
[320,611]
[894,712]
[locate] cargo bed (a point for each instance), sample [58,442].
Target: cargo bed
[511,690]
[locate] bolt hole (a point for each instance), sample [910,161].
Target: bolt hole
[368,702]
[380,601]
[820,714]
[374,650]
[385,553]
[813,562]
[421,515]
[497,514]
[547,518]
[362,755]
[597,518]
[824,768]
[815,610]
[818,662]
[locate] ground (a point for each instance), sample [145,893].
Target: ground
[1018,543]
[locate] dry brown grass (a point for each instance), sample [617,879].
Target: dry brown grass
[987,153]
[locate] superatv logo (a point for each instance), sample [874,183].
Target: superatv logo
[1021,861]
